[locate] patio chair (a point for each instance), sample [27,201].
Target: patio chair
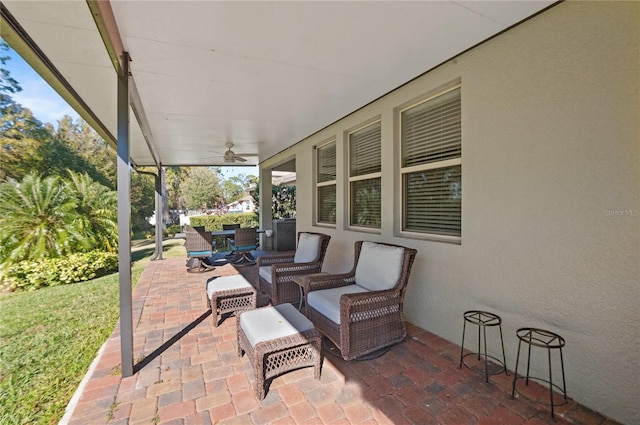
[200,246]
[233,226]
[361,311]
[276,272]
[244,241]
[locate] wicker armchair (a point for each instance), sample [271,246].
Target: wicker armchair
[199,245]
[361,311]
[276,272]
[244,241]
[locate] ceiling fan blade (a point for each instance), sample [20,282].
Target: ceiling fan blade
[239,158]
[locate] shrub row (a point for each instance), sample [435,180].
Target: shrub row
[215,222]
[79,267]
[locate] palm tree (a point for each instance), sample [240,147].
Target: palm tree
[38,219]
[97,205]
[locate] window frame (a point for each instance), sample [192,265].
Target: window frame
[362,177]
[319,185]
[405,171]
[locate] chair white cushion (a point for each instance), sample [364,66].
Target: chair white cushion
[308,246]
[265,273]
[269,323]
[327,301]
[225,283]
[379,266]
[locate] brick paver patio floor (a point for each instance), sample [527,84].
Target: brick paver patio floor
[188,372]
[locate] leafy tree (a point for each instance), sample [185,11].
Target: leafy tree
[235,187]
[98,159]
[202,189]
[142,201]
[58,157]
[7,83]
[175,179]
[21,134]
[21,139]
[283,200]
[27,145]
[30,146]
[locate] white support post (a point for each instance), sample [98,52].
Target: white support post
[266,205]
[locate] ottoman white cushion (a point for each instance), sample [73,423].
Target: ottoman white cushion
[225,283]
[269,323]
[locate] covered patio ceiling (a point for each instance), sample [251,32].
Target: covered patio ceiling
[261,75]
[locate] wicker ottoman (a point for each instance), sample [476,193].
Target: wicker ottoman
[278,339]
[229,294]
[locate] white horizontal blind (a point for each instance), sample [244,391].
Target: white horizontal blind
[327,204]
[433,201]
[365,203]
[326,184]
[364,151]
[365,176]
[327,163]
[431,144]
[432,130]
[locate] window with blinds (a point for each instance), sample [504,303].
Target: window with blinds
[365,176]
[431,165]
[326,183]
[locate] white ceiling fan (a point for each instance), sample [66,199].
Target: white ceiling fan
[230,157]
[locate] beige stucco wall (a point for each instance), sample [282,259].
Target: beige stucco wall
[551,204]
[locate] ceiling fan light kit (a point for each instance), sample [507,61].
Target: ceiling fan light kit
[231,157]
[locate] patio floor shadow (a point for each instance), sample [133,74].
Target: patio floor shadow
[189,372]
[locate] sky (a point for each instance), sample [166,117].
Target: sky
[36,94]
[48,107]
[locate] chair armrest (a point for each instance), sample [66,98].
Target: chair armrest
[316,282]
[368,301]
[269,260]
[287,271]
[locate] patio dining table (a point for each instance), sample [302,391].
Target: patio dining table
[230,232]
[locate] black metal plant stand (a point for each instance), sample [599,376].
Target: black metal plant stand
[550,341]
[484,319]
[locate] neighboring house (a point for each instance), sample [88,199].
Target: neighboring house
[527,204]
[244,204]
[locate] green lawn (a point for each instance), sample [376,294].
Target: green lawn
[49,337]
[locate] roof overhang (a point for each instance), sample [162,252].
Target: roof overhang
[262,75]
